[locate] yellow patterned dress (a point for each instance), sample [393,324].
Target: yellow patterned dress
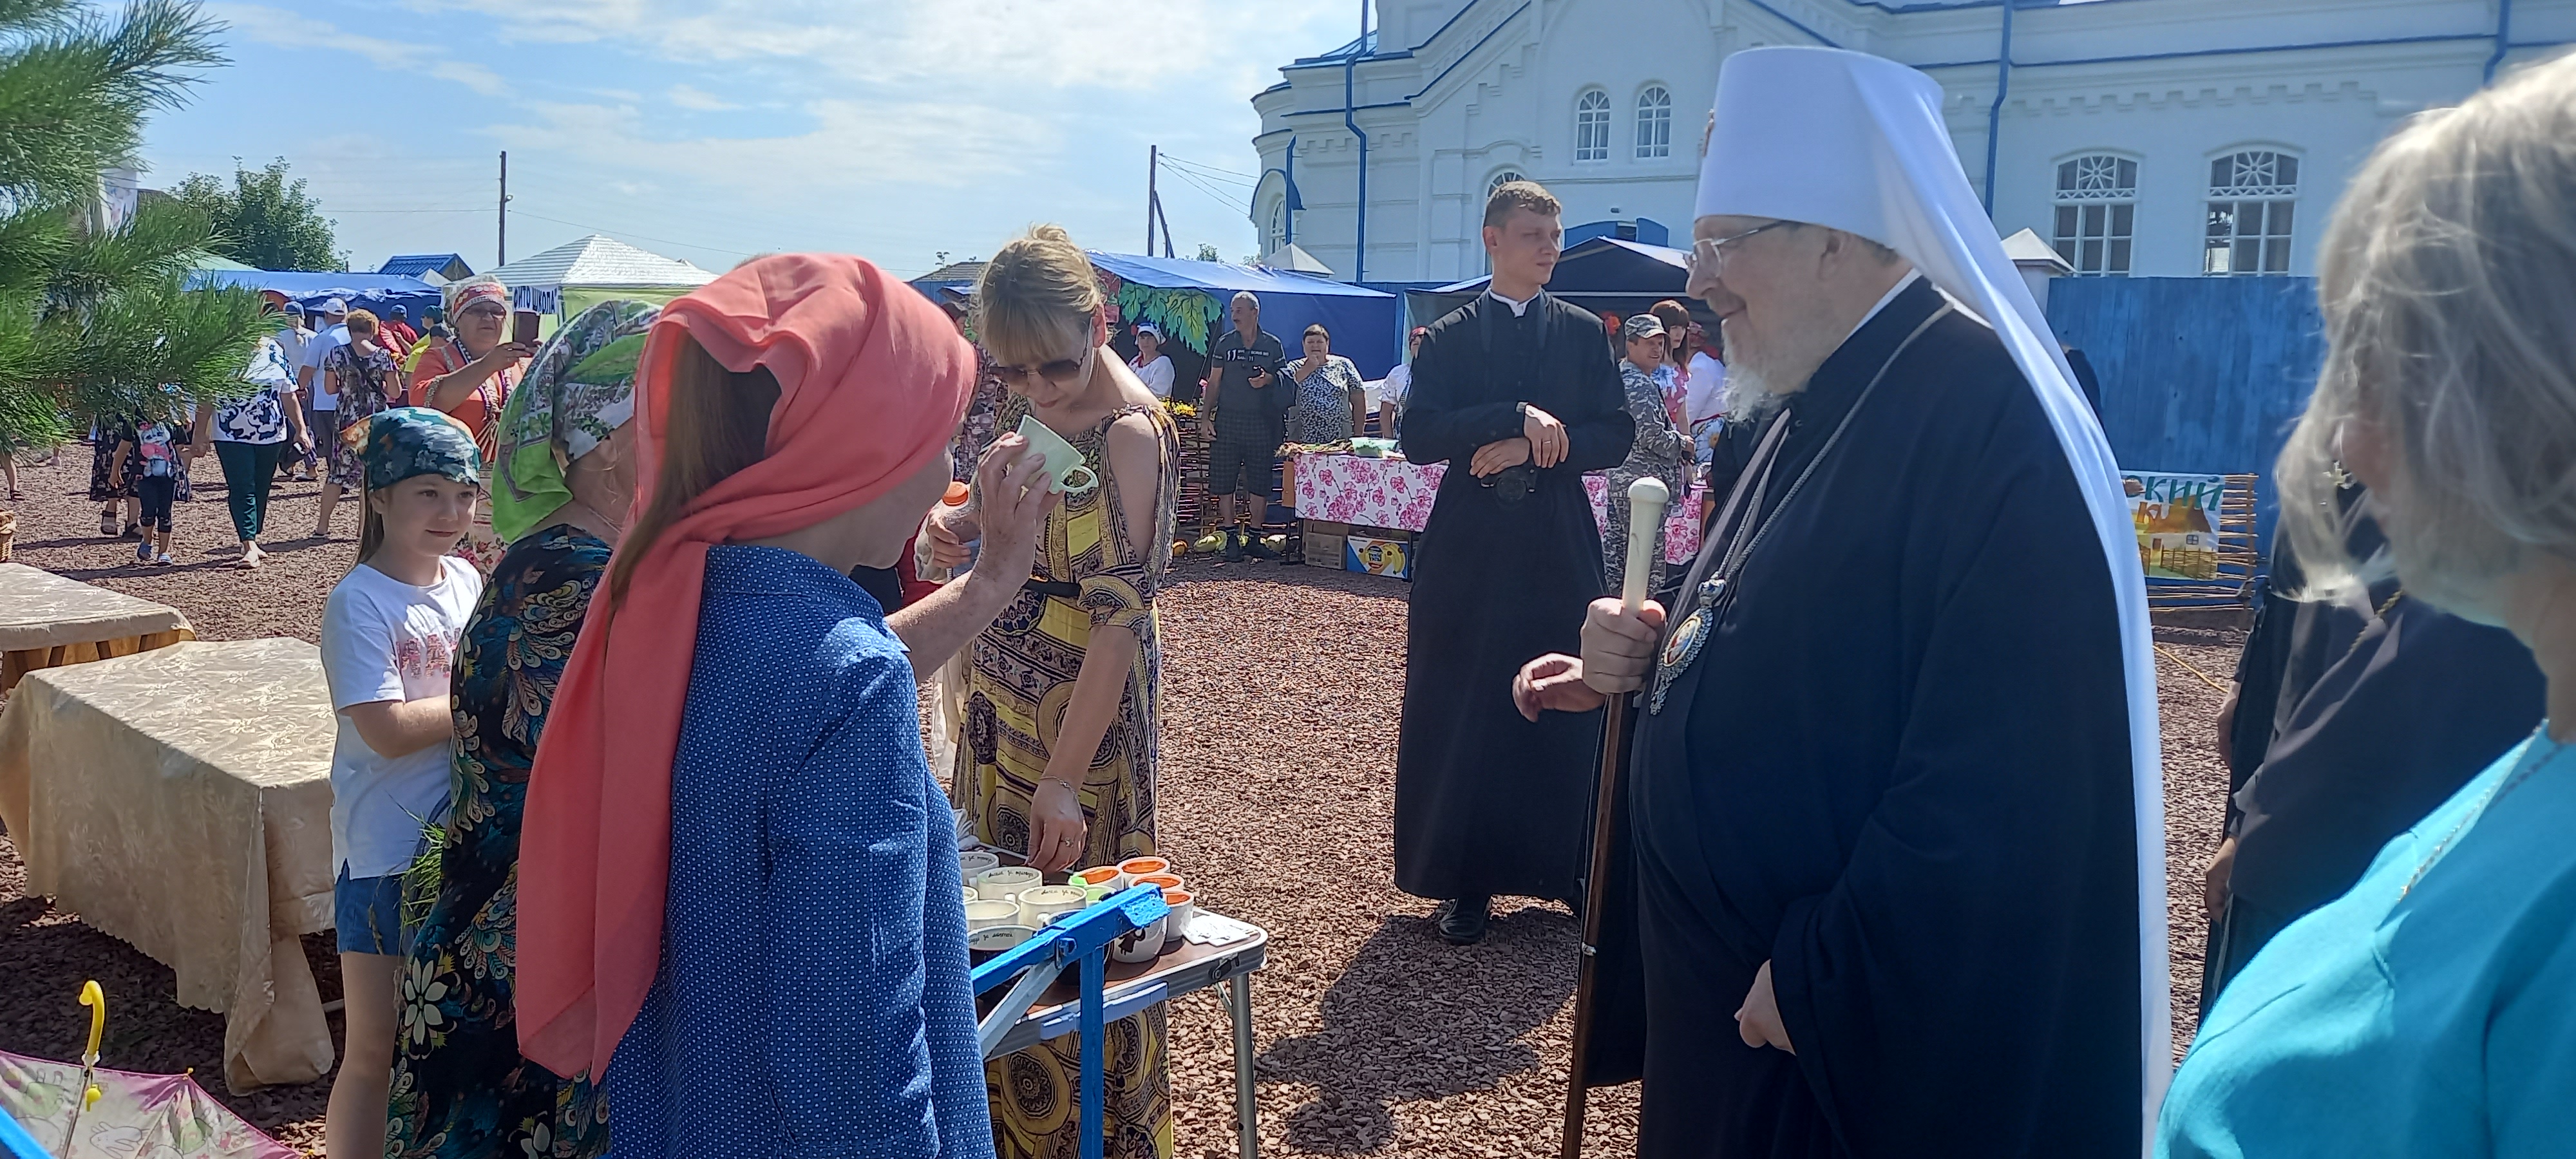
[1020,677]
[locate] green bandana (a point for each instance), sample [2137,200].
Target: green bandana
[579,391]
[412,440]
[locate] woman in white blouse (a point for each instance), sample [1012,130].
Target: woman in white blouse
[1150,364]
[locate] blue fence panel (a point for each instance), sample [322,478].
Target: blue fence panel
[2198,375]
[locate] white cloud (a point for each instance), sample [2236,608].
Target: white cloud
[693,97]
[283,29]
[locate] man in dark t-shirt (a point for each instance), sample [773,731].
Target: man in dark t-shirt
[1245,414]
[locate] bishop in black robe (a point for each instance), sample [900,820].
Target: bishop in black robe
[1899,772]
[1486,802]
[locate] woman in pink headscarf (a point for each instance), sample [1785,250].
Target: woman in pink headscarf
[738,890]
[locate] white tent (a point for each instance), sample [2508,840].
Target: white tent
[1294,259]
[578,274]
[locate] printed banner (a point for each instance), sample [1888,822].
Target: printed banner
[2176,517]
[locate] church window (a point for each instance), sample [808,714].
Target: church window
[1277,230]
[1592,126]
[2251,196]
[2097,210]
[1654,123]
[1500,179]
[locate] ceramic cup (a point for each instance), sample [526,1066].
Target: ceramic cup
[1176,924]
[1140,866]
[1063,462]
[1044,903]
[969,891]
[972,863]
[1167,882]
[1007,882]
[1103,877]
[1142,944]
[981,914]
[988,943]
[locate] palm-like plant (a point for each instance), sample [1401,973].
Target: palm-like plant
[97,319]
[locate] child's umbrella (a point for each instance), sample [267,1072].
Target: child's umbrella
[96,999]
[98,1112]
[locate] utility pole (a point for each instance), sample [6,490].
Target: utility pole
[1153,200]
[501,244]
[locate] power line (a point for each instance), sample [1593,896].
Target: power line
[1211,191]
[1213,168]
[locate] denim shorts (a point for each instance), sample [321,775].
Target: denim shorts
[368,912]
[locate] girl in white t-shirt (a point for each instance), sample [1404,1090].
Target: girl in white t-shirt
[388,633]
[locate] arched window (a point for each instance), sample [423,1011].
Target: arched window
[1654,123]
[2097,210]
[1592,126]
[2251,195]
[1276,231]
[1500,179]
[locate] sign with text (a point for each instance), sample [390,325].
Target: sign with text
[2176,517]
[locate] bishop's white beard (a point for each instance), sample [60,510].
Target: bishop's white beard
[1762,374]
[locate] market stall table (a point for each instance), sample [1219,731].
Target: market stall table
[1133,986]
[1393,492]
[180,800]
[47,621]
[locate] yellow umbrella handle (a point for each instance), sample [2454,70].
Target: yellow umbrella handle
[96,999]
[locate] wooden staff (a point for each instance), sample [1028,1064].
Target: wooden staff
[1646,500]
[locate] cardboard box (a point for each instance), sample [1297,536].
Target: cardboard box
[1386,557]
[1397,534]
[1323,548]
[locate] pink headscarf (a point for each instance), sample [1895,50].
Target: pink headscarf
[872,381]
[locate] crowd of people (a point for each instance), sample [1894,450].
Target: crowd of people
[1893,814]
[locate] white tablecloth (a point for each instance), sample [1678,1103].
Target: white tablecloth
[180,800]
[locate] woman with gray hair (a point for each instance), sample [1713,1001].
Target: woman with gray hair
[2429,1011]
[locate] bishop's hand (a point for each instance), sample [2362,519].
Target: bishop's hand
[1619,646]
[1757,1022]
[1553,683]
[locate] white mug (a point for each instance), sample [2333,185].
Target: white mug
[1045,903]
[1063,462]
[1007,883]
[971,863]
[1142,944]
[980,914]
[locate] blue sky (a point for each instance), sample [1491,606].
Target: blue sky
[714,130]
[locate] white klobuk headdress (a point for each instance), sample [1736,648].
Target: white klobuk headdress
[1856,142]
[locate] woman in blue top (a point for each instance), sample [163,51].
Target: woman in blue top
[2431,1011]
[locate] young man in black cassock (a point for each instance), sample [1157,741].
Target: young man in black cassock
[1897,752]
[1517,394]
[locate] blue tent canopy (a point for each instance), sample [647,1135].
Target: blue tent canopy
[376,293]
[1365,323]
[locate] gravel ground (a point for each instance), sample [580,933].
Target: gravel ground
[1374,1036]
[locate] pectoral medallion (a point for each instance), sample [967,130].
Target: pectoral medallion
[1684,645]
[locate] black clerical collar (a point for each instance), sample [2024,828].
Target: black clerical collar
[1847,371]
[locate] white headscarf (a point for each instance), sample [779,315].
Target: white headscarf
[1855,142]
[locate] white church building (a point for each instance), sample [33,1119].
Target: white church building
[2147,137]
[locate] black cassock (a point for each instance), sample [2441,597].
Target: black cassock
[1899,772]
[1486,802]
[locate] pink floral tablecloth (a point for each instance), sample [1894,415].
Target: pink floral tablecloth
[1396,493]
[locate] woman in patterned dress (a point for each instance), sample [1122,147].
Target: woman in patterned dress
[362,373]
[1661,451]
[471,374]
[565,479]
[1063,689]
[1331,404]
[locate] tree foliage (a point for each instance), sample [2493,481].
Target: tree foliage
[96,318]
[265,219]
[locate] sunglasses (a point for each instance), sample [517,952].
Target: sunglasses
[1062,371]
[1708,255]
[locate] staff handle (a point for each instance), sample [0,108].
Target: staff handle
[1646,500]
